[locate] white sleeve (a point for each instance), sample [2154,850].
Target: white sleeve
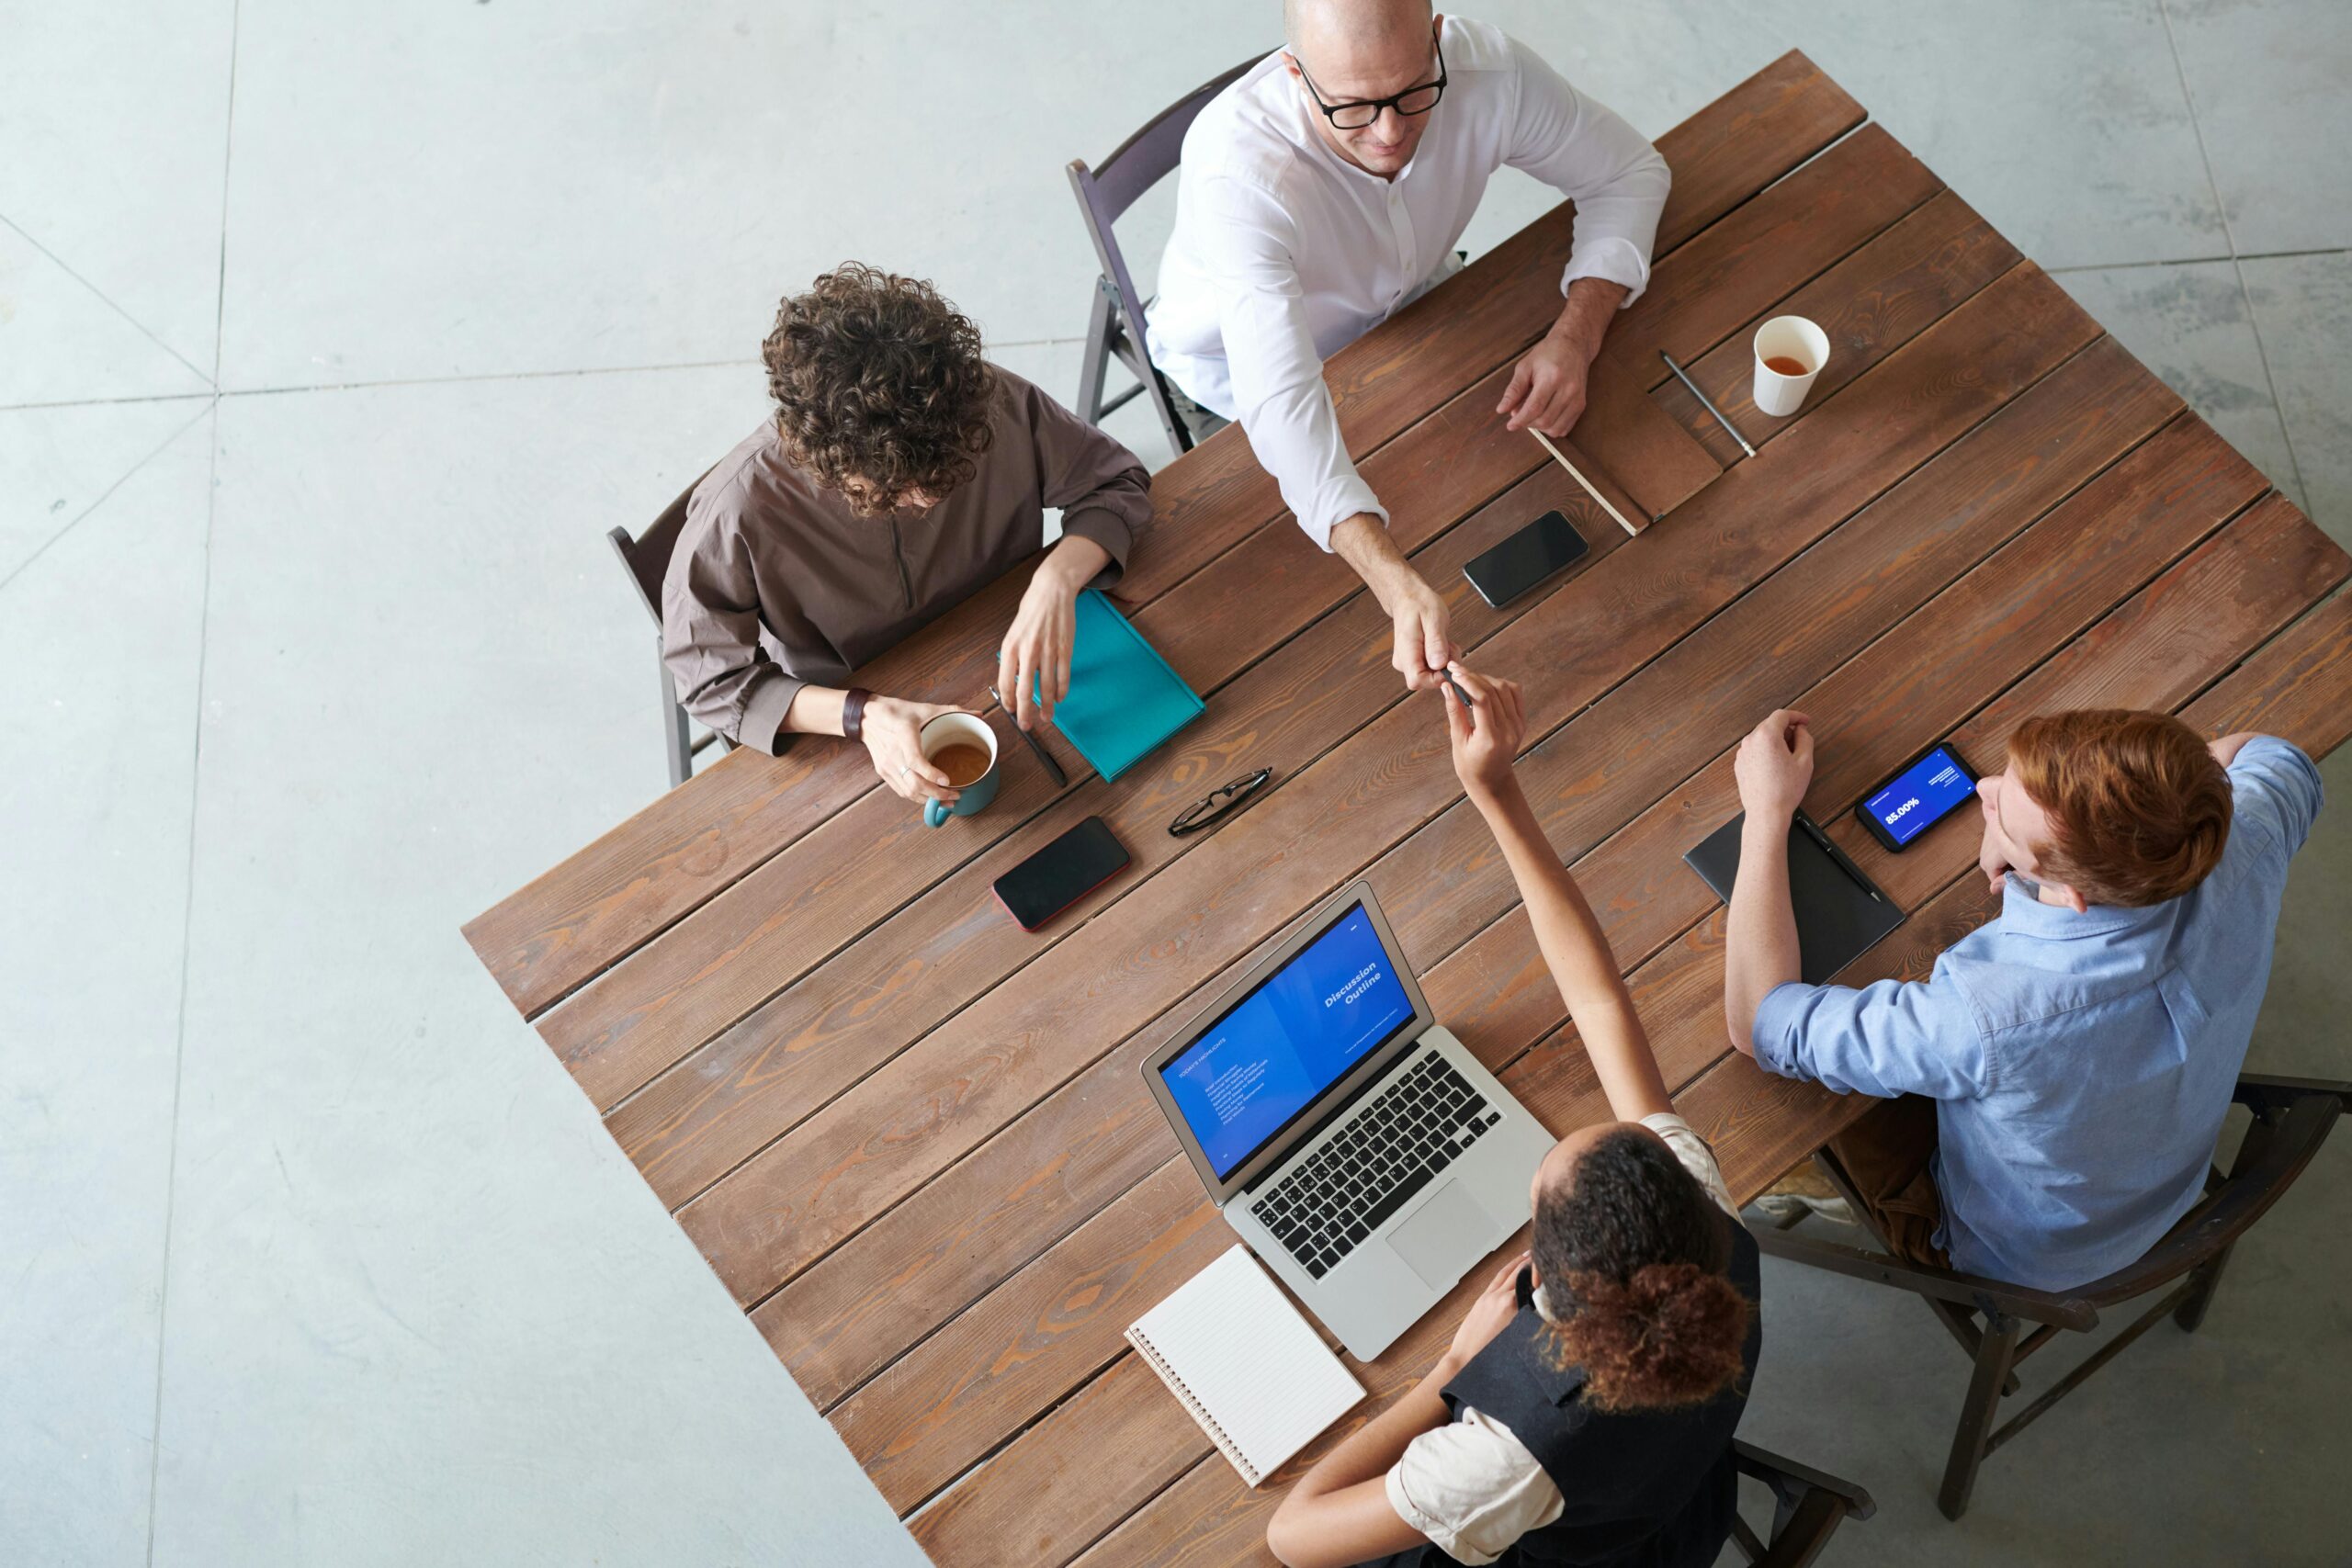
[1471,1488]
[1591,155]
[1279,395]
[1696,1156]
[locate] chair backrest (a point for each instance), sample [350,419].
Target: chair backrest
[2292,1120]
[1136,165]
[647,556]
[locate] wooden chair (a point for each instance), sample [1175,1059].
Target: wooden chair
[1808,1507]
[2291,1118]
[647,561]
[1117,326]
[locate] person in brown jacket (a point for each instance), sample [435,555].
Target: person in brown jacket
[900,473]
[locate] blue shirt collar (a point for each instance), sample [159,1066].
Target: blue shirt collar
[2024,914]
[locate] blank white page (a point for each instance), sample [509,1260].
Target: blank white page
[1252,1367]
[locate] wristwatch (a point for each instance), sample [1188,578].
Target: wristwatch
[853,703]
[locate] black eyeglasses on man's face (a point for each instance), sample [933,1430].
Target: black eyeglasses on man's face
[1358,113]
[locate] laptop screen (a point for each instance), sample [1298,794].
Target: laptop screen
[1256,1067]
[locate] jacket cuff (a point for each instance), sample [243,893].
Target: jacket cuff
[762,725]
[1108,529]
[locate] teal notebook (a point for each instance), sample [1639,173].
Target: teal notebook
[1123,699]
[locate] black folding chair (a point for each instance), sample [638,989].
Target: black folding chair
[1117,326]
[1808,1507]
[2291,1118]
[647,560]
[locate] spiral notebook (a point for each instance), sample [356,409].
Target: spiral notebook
[1253,1372]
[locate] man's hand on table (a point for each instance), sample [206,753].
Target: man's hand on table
[892,734]
[1547,389]
[1418,618]
[1774,766]
[1034,660]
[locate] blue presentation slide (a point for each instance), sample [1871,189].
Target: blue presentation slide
[1919,796]
[1300,1031]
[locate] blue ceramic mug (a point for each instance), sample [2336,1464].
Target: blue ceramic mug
[954,743]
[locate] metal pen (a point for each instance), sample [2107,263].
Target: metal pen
[1053,769]
[1829,848]
[1703,404]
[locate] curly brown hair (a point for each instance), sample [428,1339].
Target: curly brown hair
[879,386]
[1633,1249]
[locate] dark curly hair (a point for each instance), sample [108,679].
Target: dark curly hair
[879,386]
[1631,1251]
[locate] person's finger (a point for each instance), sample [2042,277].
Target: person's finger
[1519,380]
[1457,718]
[1477,686]
[1529,405]
[1435,648]
[1023,682]
[1804,747]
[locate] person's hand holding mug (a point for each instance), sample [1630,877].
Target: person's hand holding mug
[892,734]
[961,747]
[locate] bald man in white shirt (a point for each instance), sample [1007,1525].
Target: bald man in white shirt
[1325,190]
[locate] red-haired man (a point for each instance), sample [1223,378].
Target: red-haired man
[2055,1086]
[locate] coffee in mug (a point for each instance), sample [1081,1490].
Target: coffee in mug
[962,763]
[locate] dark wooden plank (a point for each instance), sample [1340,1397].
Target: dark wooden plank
[1807,224]
[2155,650]
[937,1412]
[1061,1503]
[545,940]
[1873,302]
[2040,578]
[1199,1520]
[2298,688]
[837,1326]
[934,1101]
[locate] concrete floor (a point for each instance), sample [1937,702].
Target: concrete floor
[331,340]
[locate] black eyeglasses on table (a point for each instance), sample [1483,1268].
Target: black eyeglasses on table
[1220,803]
[1357,113]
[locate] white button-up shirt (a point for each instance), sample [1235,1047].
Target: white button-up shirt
[1284,252]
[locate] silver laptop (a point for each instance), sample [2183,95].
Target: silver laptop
[1358,1148]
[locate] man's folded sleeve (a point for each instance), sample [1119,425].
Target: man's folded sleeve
[710,641]
[1103,490]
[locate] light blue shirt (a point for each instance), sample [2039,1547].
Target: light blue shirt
[2081,1063]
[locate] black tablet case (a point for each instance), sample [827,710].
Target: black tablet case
[1837,920]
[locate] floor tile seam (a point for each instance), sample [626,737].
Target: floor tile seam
[103,299]
[2199,261]
[177,430]
[179,1033]
[228,150]
[2237,262]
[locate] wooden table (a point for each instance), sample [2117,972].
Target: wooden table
[912,1138]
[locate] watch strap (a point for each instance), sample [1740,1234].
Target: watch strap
[853,703]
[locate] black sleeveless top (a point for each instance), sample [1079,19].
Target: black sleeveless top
[1640,1489]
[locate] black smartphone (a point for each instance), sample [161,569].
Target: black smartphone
[1918,796]
[1524,559]
[1061,873]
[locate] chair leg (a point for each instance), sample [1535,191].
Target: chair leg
[676,741]
[2190,1315]
[1096,361]
[1993,1357]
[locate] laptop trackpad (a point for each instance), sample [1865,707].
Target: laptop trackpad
[1444,1236]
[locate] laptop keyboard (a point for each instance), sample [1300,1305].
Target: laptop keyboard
[1388,1150]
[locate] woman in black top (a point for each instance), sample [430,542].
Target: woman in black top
[1584,1412]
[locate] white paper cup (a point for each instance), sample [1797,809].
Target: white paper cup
[1787,337]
